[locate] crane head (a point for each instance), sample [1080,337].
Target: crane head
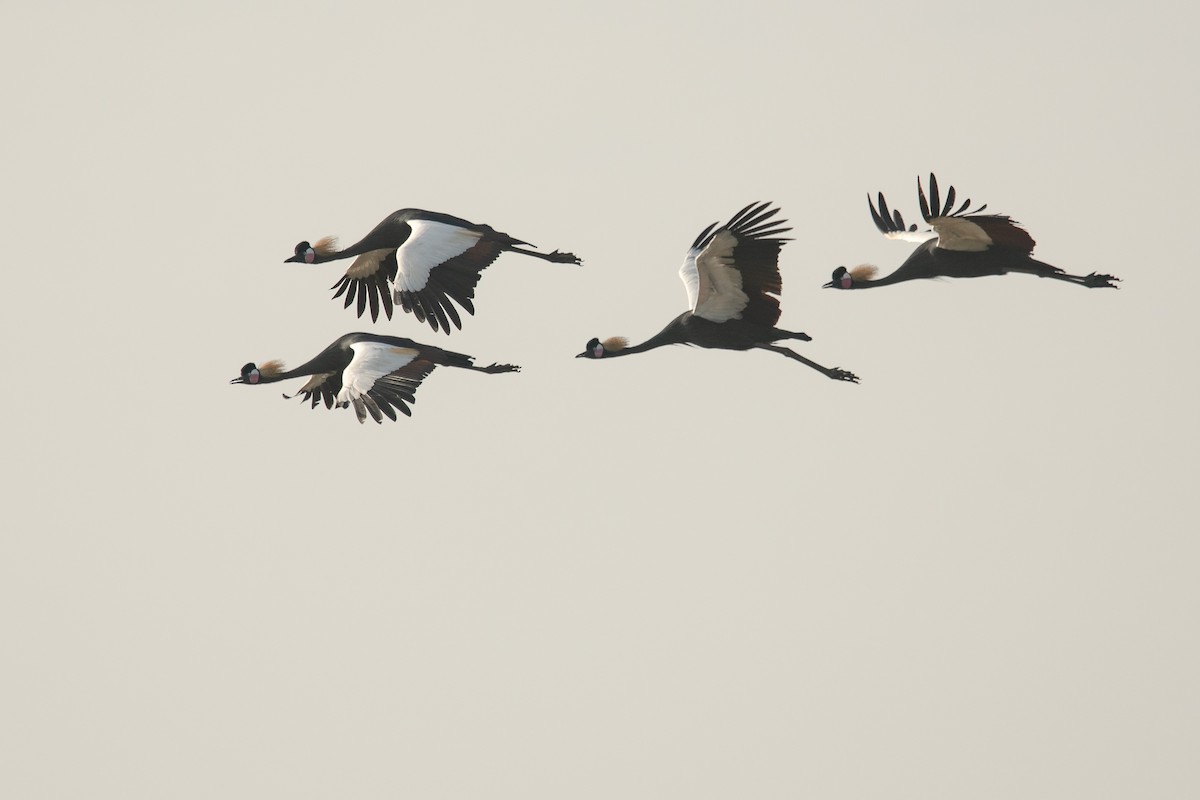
[250,374]
[842,279]
[846,278]
[599,349]
[593,349]
[305,253]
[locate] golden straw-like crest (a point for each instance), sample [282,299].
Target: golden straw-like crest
[326,246]
[615,343]
[270,368]
[864,272]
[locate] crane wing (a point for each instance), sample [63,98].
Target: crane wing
[977,233]
[369,279]
[891,224]
[430,245]
[690,275]
[323,386]
[963,230]
[733,272]
[718,282]
[441,262]
[969,231]
[382,375]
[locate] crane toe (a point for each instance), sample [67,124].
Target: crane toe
[839,374]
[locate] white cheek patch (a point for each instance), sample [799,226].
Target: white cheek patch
[254,375]
[598,352]
[309,256]
[847,281]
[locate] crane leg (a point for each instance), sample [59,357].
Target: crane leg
[555,257]
[1092,280]
[835,373]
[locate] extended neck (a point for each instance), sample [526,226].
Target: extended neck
[867,283]
[672,334]
[329,360]
[356,249]
[649,344]
[275,377]
[375,240]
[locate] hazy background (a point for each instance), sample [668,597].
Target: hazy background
[685,574]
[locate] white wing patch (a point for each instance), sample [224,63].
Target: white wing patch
[372,360]
[911,236]
[691,278]
[717,294]
[430,244]
[959,233]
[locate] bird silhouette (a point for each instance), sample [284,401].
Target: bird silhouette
[963,244]
[375,374]
[420,261]
[732,279]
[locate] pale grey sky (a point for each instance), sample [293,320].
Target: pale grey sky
[682,574]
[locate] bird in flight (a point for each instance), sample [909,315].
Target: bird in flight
[732,278]
[962,244]
[420,261]
[375,374]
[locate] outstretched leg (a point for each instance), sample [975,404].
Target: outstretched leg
[1091,280]
[493,369]
[556,257]
[835,373]
[436,355]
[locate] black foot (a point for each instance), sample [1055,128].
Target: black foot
[842,375]
[1094,281]
[559,257]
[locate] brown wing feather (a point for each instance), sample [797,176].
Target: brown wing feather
[369,279]
[1004,232]
[323,386]
[758,261]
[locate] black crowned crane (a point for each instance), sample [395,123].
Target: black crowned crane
[421,260]
[732,276]
[963,244]
[375,374]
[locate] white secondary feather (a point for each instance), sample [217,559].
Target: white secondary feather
[714,284]
[430,244]
[911,236]
[691,277]
[959,233]
[372,360]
